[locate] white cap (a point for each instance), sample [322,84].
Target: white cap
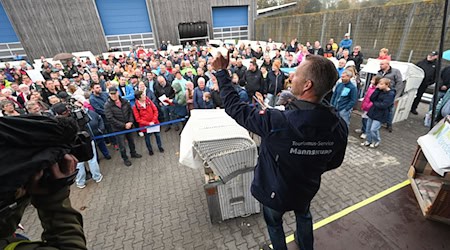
[347,34]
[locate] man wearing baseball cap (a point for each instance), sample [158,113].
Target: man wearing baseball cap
[119,114]
[429,67]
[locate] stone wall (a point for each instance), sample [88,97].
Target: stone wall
[409,31]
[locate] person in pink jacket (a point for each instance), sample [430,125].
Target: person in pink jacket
[366,104]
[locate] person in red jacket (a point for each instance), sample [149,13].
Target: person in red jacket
[146,113]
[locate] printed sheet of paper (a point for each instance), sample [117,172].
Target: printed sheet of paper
[153,129]
[162,98]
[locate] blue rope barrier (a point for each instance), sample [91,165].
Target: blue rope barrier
[138,129]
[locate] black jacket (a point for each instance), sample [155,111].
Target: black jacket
[358,59]
[319,51]
[116,116]
[166,90]
[298,146]
[430,71]
[240,71]
[254,80]
[445,78]
[275,83]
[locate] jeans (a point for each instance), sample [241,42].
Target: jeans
[345,114]
[123,150]
[274,221]
[109,130]
[364,125]
[102,146]
[148,143]
[168,113]
[93,166]
[440,95]
[270,100]
[373,131]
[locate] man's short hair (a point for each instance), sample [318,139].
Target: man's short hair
[322,73]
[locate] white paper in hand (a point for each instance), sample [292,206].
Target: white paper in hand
[221,50]
[153,129]
[162,100]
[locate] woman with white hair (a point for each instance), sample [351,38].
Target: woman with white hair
[24,92]
[7,92]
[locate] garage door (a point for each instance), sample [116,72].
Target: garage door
[9,42]
[126,23]
[230,22]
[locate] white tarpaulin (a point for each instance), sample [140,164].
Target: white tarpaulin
[213,138]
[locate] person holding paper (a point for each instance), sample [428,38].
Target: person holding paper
[146,113]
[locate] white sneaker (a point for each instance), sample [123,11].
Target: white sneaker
[374,145]
[81,186]
[141,134]
[99,179]
[363,136]
[358,130]
[366,143]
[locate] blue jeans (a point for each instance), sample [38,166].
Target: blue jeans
[93,166]
[364,125]
[373,131]
[102,146]
[168,113]
[346,114]
[274,221]
[148,143]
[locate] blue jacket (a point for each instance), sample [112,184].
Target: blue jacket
[129,93]
[96,126]
[382,101]
[345,96]
[98,102]
[297,147]
[346,44]
[199,103]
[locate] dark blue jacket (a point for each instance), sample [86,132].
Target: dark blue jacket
[297,147]
[98,102]
[345,96]
[274,83]
[199,103]
[382,101]
[96,126]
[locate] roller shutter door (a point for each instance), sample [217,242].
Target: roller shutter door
[126,23]
[9,42]
[230,22]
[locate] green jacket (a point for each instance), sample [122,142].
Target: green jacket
[180,94]
[63,225]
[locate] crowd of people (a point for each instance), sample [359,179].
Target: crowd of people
[145,87]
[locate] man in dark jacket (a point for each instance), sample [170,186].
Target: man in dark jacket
[240,71]
[254,80]
[119,114]
[165,88]
[98,99]
[298,145]
[429,67]
[316,50]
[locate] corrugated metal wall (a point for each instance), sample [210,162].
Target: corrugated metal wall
[48,27]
